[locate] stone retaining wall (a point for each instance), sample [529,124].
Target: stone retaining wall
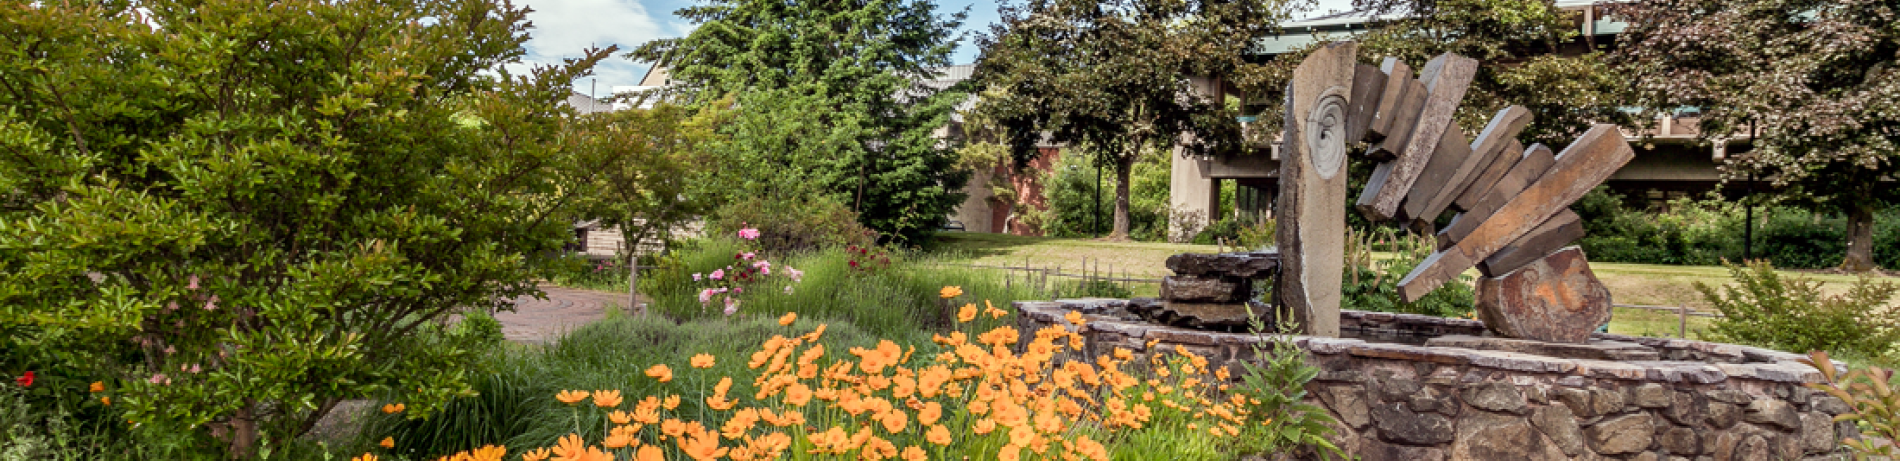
[1702,401]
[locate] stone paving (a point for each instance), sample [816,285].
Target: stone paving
[543,320]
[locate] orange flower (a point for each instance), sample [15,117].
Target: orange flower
[912,453]
[569,397]
[702,361]
[98,386]
[1009,453]
[365,457]
[984,426]
[938,435]
[1075,317]
[951,292]
[660,372]
[967,313]
[620,417]
[798,394]
[788,318]
[930,413]
[895,420]
[388,442]
[702,446]
[607,398]
[393,408]
[621,437]
[537,454]
[570,447]
[107,400]
[650,453]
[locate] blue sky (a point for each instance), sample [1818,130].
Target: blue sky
[564,27]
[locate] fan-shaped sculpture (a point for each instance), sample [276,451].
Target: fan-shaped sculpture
[1513,222]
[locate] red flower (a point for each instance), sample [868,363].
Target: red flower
[854,263]
[25,380]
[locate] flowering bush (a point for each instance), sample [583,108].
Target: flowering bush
[867,260]
[978,396]
[729,282]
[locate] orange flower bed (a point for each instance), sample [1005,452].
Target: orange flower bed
[979,399]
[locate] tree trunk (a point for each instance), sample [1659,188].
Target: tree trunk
[1860,237]
[633,285]
[629,244]
[244,431]
[1123,167]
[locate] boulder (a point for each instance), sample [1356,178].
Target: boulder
[1556,299]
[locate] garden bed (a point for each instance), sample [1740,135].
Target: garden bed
[1399,395]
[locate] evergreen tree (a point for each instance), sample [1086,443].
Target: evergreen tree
[830,101]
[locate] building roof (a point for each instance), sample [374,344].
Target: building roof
[586,104]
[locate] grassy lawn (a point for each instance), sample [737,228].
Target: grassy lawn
[1640,284]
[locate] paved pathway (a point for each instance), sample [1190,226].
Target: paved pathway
[543,320]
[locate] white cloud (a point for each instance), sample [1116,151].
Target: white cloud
[563,28]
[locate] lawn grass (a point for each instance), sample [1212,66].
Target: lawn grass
[1634,284]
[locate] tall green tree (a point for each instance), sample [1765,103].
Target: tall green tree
[239,214]
[1815,81]
[830,101]
[1114,75]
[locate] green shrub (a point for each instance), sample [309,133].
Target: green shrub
[1372,285]
[1764,309]
[793,224]
[1794,239]
[1275,380]
[1876,406]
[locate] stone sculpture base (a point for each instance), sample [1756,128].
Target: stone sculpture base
[1200,316]
[1556,299]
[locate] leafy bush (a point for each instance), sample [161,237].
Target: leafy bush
[1705,232]
[1870,392]
[1070,192]
[793,224]
[1277,378]
[1372,285]
[1763,309]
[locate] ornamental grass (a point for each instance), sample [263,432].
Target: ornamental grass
[993,394]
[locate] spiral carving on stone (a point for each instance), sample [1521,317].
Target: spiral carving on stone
[1326,135]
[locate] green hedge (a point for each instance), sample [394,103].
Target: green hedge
[1706,232]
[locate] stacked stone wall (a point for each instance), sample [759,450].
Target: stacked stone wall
[1395,401]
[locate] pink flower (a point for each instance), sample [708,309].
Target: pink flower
[695,276]
[705,296]
[212,304]
[749,233]
[191,283]
[732,306]
[794,273]
[719,274]
[160,379]
[747,256]
[195,369]
[171,306]
[788,289]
